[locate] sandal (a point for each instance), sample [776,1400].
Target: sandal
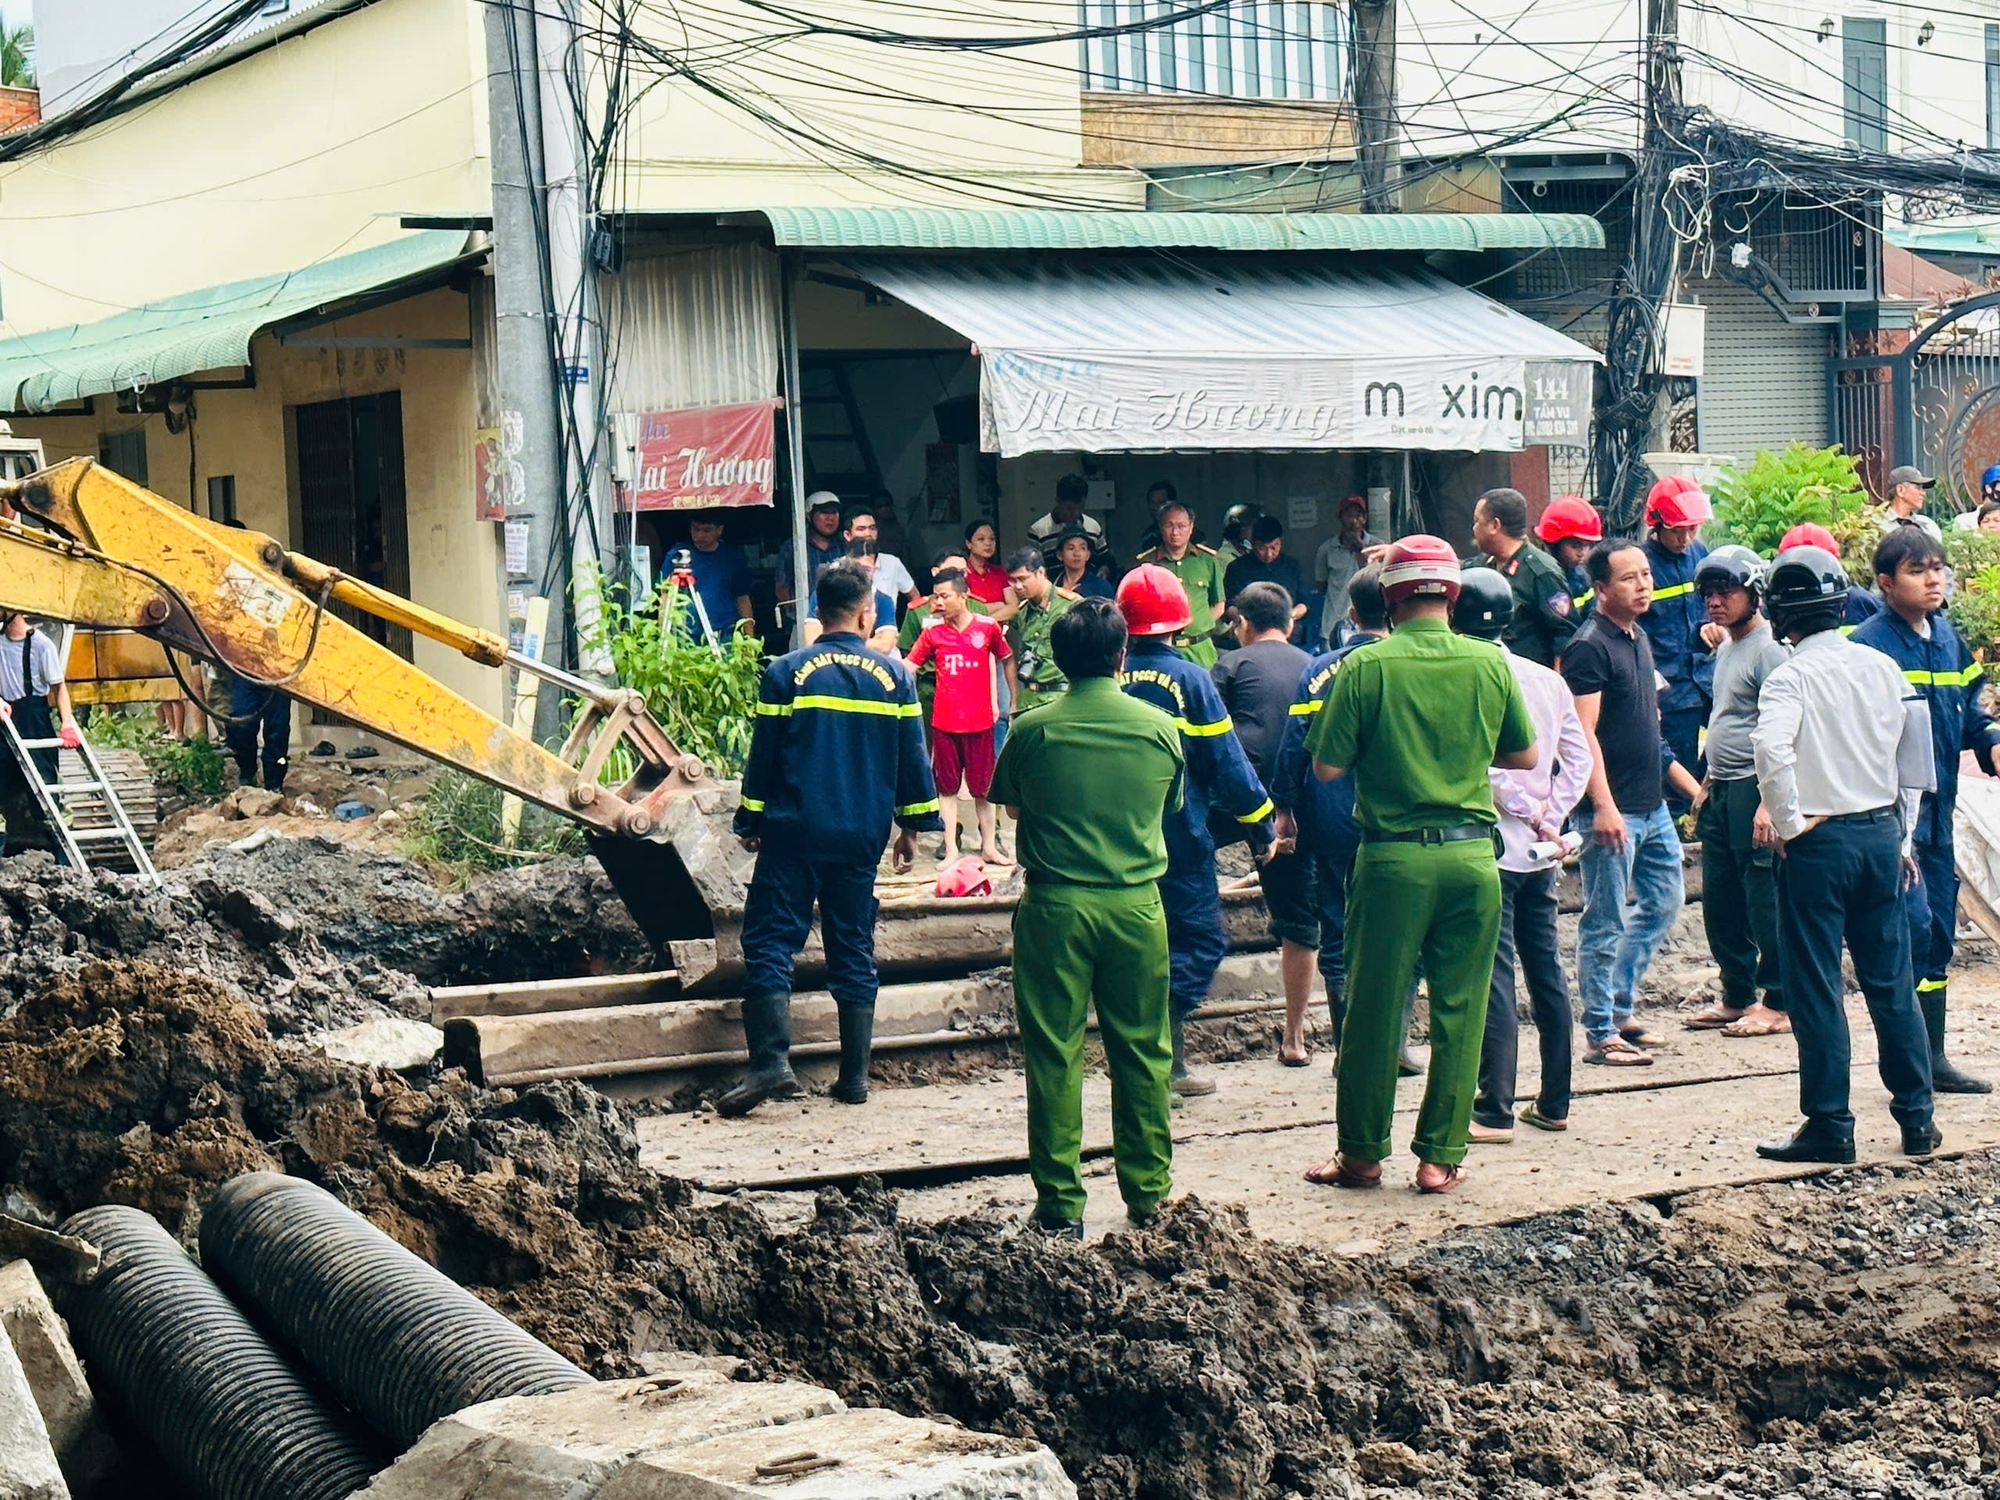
[1450,1182]
[1303,1060]
[1616,1052]
[1531,1115]
[1636,1033]
[1759,1027]
[1345,1174]
[1715,1018]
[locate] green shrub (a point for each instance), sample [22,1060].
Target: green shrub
[457,824]
[1757,505]
[705,699]
[1975,602]
[193,766]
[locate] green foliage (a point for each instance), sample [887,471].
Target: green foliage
[192,766]
[17,56]
[706,700]
[457,824]
[1758,505]
[1975,603]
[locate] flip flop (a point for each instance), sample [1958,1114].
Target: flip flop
[1344,1175]
[1295,1062]
[1617,1053]
[1453,1178]
[1639,1036]
[1530,1115]
[1712,1019]
[1758,1028]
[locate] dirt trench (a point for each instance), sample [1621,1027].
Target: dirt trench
[1836,1336]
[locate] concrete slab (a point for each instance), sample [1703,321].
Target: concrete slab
[82,1445]
[568,1445]
[856,1455]
[28,1468]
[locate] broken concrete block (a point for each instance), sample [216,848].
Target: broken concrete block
[386,1041]
[853,1455]
[564,1446]
[82,1444]
[28,1468]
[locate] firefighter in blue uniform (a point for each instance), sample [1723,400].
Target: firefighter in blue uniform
[1676,510]
[836,755]
[1913,631]
[1569,528]
[1219,776]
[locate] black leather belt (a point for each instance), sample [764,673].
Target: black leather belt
[1429,835]
[1873,815]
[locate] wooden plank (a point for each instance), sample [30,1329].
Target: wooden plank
[542,996]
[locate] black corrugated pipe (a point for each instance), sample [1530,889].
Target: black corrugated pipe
[232,1420]
[400,1343]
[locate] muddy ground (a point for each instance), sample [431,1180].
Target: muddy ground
[1836,1336]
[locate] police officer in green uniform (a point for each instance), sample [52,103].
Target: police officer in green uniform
[1545,614]
[1417,720]
[1091,776]
[1042,604]
[1200,571]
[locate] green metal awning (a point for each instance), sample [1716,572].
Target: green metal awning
[206,330]
[1066,229]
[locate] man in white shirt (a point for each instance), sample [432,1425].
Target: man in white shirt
[1533,806]
[1843,758]
[891,577]
[1072,492]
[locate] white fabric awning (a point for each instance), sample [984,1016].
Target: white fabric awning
[1103,355]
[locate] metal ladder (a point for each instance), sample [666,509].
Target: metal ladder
[59,798]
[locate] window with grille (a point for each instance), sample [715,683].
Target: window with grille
[1248,49]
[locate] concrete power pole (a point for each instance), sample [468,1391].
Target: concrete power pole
[1378,132]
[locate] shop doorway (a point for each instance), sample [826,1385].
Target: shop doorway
[352,507]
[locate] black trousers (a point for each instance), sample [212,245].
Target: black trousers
[1527,929]
[1845,880]
[1739,904]
[264,709]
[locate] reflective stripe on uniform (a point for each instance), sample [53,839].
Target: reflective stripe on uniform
[1579,601]
[751,804]
[907,812]
[1260,814]
[1205,731]
[775,710]
[1672,591]
[1964,678]
[1310,707]
[1928,986]
[849,706]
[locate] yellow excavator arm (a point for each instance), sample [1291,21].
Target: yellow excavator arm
[109,554]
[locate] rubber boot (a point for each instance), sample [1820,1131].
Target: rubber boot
[857,1041]
[767,1028]
[1945,1076]
[1179,1080]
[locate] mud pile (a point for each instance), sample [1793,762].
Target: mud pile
[54,920]
[555,919]
[1834,1337]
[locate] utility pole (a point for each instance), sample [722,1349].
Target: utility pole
[1378,133]
[528,394]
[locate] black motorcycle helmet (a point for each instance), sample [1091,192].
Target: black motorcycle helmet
[1807,592]
[1485,604]
[1733,567]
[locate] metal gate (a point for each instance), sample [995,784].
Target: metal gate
[1935,404]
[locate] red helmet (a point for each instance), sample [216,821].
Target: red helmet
[1570,517]
[1677,501]
[965,876]
[1809,534]
[1420,567]
[1153,602]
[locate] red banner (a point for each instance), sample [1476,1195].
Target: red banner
[706,456]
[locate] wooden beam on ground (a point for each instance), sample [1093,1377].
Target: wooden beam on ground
[541,996]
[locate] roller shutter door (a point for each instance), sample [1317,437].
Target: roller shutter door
[1764,380]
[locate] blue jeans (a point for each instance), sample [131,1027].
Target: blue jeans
[1614,948]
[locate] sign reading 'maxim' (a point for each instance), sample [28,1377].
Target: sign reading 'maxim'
[1032,403]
